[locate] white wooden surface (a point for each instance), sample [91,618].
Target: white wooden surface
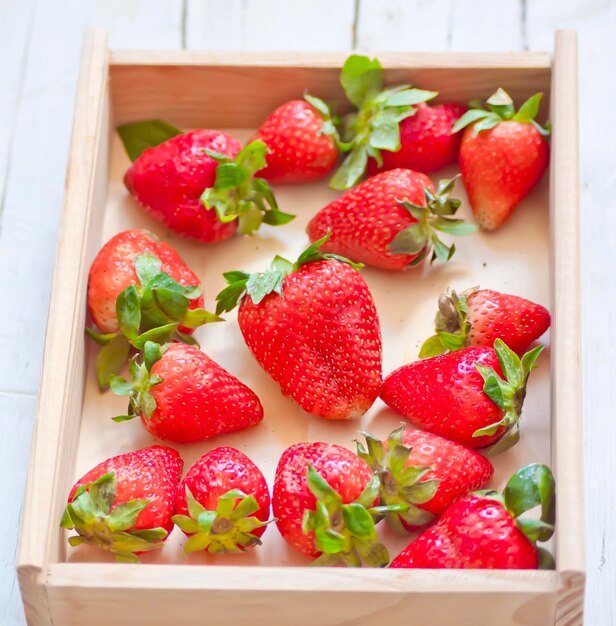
[39,58]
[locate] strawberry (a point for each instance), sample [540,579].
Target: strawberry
[473,396]
[124,505]
[477,317]
[184,396]
[313,327]
[391,221]
[323,501]
[502,156]
[374,127]
[422,473]
[139,289]
[427,142]
[182,176]
[222,503]
[298,135]
[485,530]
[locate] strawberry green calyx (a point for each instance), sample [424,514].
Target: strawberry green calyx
[227,529]
[138,136]
[500,108]
[450,323]
[151,310]
[422,237]
[508,393]
[141,401]
[400,485]
[375,124]
[261,284]
[531,486]
[97,522]
[238,194]
[345,534]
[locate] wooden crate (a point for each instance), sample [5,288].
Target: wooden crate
[237,91]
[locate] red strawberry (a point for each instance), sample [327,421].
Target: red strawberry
[140,289]
[298,135]
[177,180]
[223,503]
[391,221]
[422,473]
[502,156]
[375,128]
[477,317]
[124,505]
[321,500]
[182,395]
[313,327]
[484,531]
[427,142]
[473,396]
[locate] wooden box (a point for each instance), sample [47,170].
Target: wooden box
[537,255]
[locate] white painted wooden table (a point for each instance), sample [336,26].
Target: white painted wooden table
[39,56]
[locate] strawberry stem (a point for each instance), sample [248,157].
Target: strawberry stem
[229,528]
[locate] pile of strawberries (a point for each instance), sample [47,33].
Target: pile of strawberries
[312,325]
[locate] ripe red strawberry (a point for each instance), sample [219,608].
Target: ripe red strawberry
[422,474]
[473,396]
[477,317]
[139,289]
[222,503]
[323,501]
[313,327]
[113,270]
[502,156]
[484,530]
[298,135]
[178,180]
[182,395]
[391,221]
[427,142]
[124,505]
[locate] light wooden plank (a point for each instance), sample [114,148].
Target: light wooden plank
[480,25]
[270,25]
[38,158]
[16,411]
[15,29]
[596,22]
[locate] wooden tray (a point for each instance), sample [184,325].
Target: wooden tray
[536,255]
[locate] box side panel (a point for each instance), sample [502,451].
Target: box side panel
[61,392]
[567,433]
[103,594]
[243,95]
[100,607]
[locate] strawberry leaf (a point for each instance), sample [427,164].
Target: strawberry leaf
[110,359]
[139,136]
[361,77]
